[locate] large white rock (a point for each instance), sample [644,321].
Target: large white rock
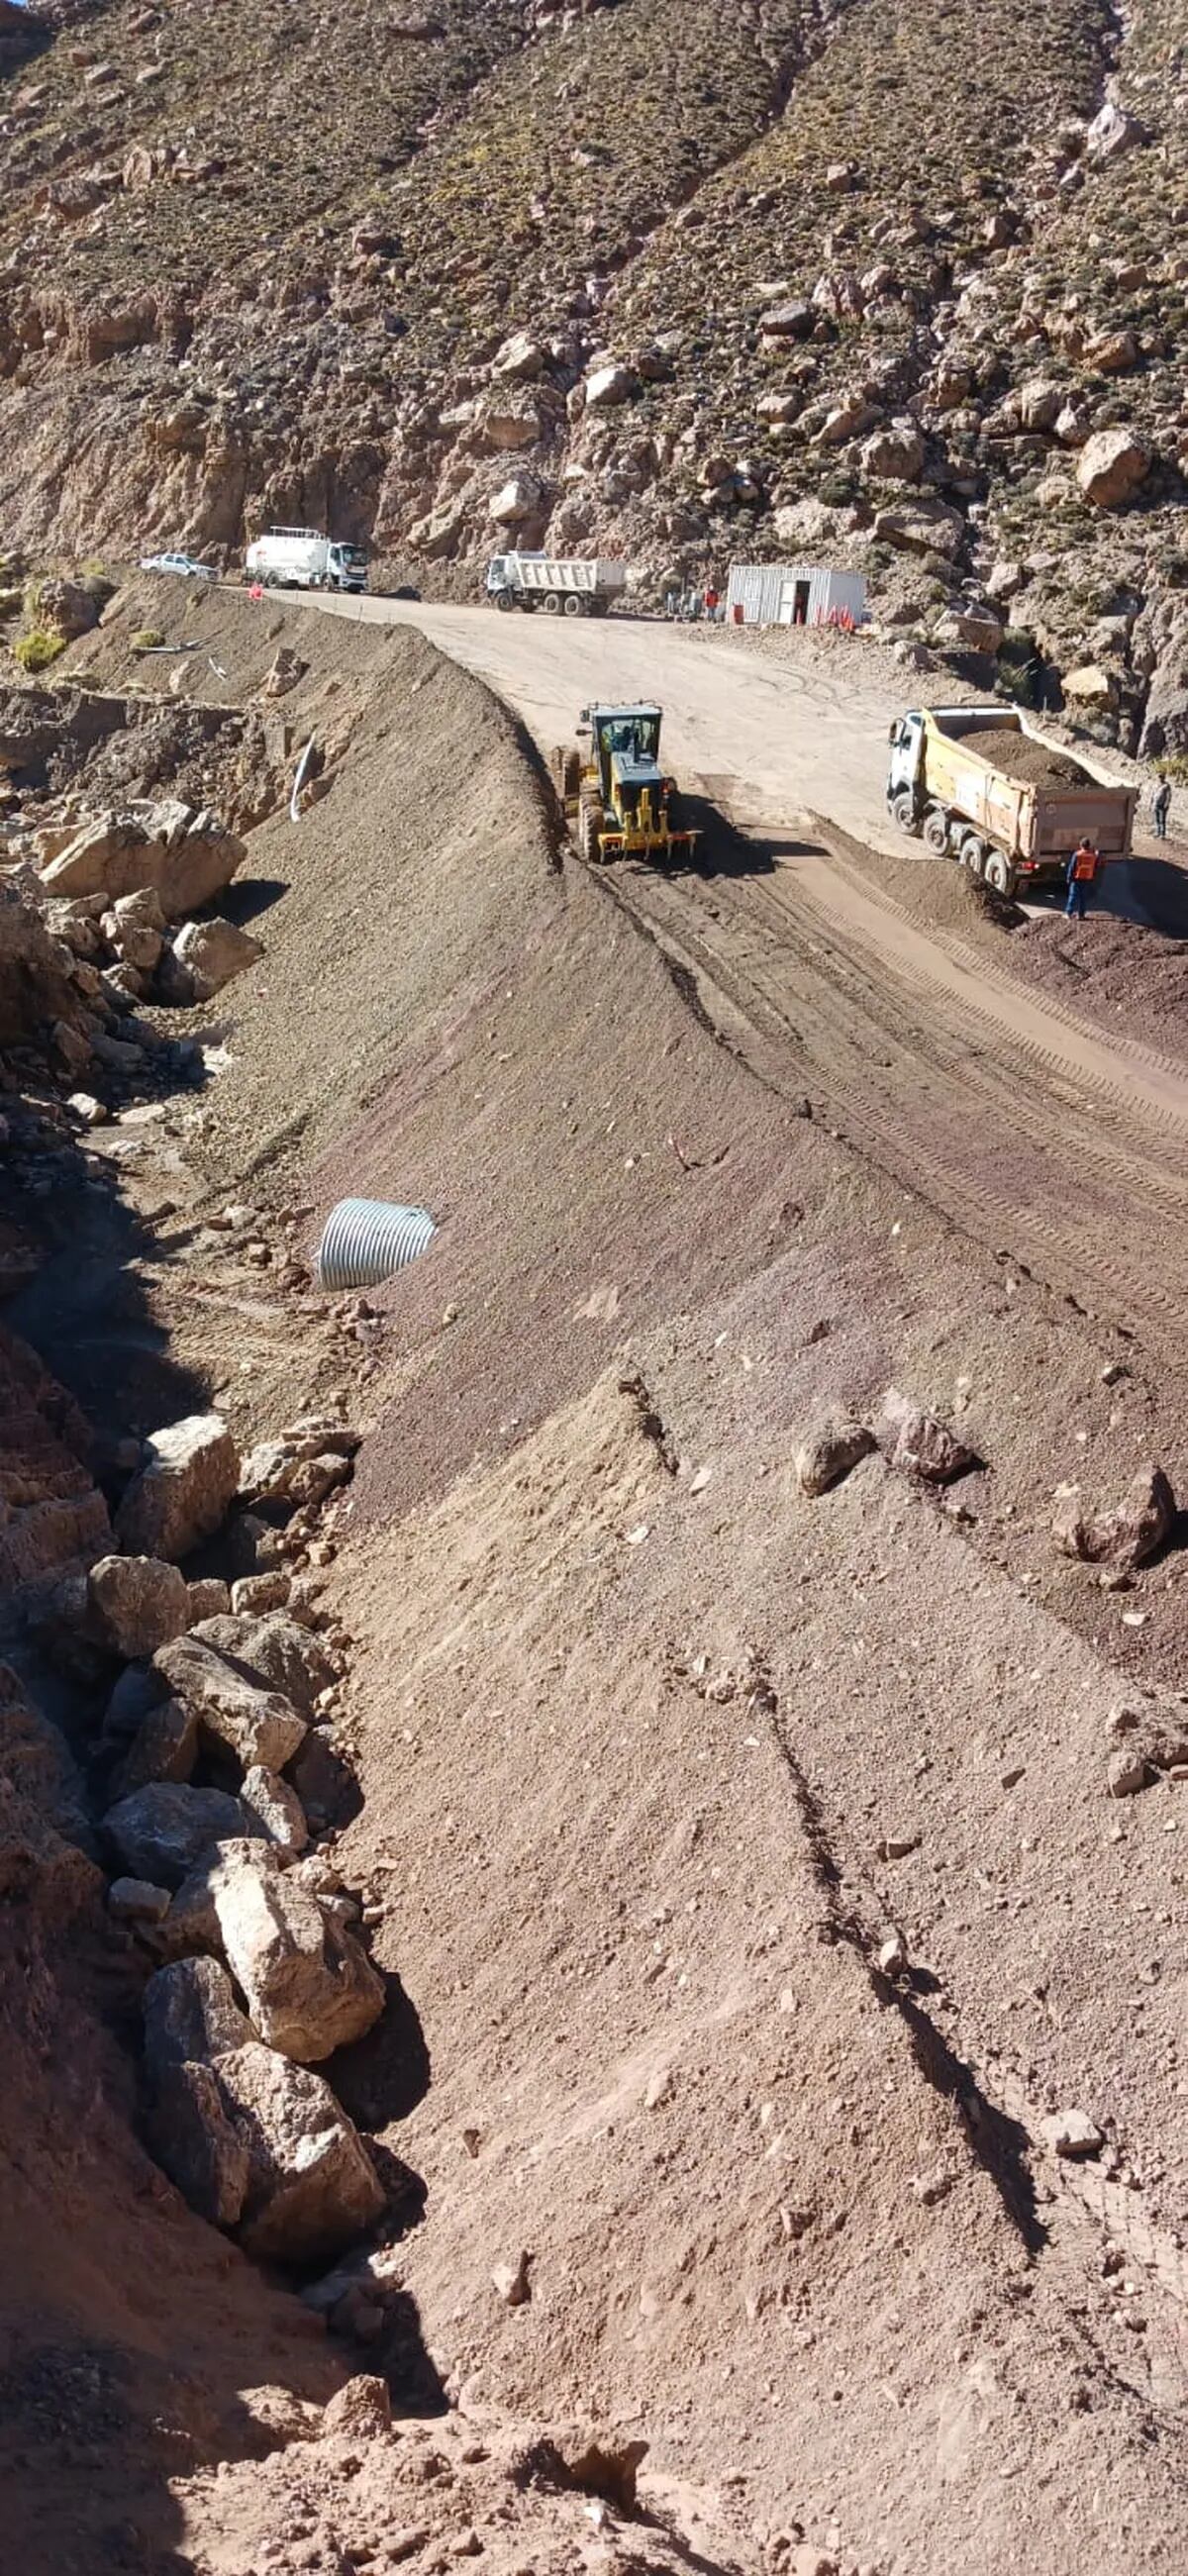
[256,1725]
[275,1652]
[1112,467]
[213,953]
[183,1491]
[311,2186]
[186,857]
[609,385]
[135,1604]
[309,1987]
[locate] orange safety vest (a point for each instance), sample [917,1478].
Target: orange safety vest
[1084,865]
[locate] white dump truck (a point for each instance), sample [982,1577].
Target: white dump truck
[300,559]
[581,587]
[985,787]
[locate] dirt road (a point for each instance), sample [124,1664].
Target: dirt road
[1042,1136]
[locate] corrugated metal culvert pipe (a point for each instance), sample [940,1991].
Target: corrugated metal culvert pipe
[367,1240]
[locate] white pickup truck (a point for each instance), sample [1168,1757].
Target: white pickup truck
[300,559]
[580,587]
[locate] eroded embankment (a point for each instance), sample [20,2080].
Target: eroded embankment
[171,1750]
[660,1755]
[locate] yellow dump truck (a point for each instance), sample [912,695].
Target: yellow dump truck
[982,786]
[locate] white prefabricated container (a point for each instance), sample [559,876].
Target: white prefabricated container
[795,595]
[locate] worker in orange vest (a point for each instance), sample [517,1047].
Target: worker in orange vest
[1084,868]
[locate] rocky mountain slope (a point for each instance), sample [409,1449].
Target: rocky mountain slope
[899,285]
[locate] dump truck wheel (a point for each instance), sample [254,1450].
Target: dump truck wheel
[904,811]
[504,599]
[998,873]
[551,604]
[936,830]
[574,606]
[974,854]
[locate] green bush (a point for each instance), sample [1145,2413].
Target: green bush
[145,638]
[36,650]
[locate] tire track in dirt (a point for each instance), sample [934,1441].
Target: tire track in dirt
[1071,1155]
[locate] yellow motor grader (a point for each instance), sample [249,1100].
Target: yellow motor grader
[615,791]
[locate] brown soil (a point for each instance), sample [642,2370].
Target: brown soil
[1023,758]
[640,1728]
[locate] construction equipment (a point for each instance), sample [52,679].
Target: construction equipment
[583,586]
[616,793]
[983,786]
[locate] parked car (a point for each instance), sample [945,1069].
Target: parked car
[187,565]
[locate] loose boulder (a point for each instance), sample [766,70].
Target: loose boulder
[277,1809]
[190,2013]
[829,1451]
[1112,466]
[894,454]
[183,1491]
[274,1652]
[920,527]
[187,857]
[256,1725]
[311,2186]
[609,385]
[1125,1537]
[916,1443]
[135,1604]
[308,1985]
[164,1747]
[164,1831]
[211,953]
[198,2143]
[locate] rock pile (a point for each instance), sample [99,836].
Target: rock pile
[220,1699]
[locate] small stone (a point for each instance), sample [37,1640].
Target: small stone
[659,2089]
[92,1112]
[829,1451]
[898,1846]
[916,1443]
[512,2281]
[1127,1772]
[363,2407]
[1073,2133]
[892,1955]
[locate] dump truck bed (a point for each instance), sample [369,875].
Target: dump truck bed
[578,573]
[1039,820]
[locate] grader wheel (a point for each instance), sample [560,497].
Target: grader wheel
[565,770]
[590,823]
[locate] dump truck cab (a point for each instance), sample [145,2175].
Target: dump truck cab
[615,788]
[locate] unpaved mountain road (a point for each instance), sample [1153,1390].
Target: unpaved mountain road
[1040,1135]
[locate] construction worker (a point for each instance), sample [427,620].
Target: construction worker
[1161,808]
[1084,868]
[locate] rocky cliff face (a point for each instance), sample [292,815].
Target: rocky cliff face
[898,284]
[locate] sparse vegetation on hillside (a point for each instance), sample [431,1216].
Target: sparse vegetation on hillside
[841,276]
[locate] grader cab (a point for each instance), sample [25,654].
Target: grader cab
[613,787]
